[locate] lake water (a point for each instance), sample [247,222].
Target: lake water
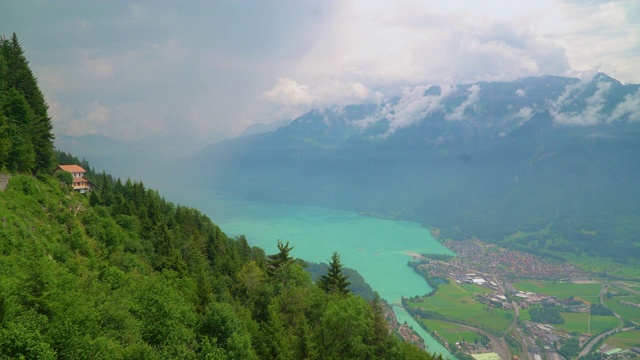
[377,248]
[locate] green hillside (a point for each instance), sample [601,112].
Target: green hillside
[124,274]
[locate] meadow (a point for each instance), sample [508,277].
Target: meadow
[457,302]
[624,340]
[626,311]
[588,292]
[579,322]
[600,265]
[574,322]
[600,324]
[452,333]
[524,315]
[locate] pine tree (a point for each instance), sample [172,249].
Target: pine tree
[19,149]
[276,261]
[5,142]
[17,75]
[334,281]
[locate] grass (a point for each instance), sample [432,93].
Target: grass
[577,322]
[598,264]
[457,302]
[574,322]
[588,292]
[582,261]
[450,332]
[624,340]
[626,311]
[600,324]
[524,314]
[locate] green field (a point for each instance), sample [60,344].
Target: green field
[578,322]
[626,311]
[457,302]
[624,340]
[582,261]
[588,292]
[450,332]
[524,314]
[600,324]
[607,265]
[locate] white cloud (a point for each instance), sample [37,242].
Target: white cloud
[205,73]
[525,113]
[412,107]
[459,113]
[590,114]
[573,90]
[521,93]
[57,111]
[605,33]
[630,106]
[101,68]
[289,93]
[98,114]
[296,99]
[123,122]
[411,42]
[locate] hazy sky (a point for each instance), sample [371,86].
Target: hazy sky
[190,72]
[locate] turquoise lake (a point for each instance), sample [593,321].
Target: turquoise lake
[378,249]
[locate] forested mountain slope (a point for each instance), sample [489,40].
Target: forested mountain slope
[124,274]
[554,160]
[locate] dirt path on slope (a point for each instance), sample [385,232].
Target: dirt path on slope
[4,180]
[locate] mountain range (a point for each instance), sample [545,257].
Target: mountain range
[546,164]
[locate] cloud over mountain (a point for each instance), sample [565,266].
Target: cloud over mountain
[207,70]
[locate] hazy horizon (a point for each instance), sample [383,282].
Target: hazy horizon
[184,76]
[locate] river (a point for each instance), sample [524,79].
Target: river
[377,248]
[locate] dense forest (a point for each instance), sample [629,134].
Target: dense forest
[26,138]
[123,273]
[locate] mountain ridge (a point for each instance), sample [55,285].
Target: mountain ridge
[484,159]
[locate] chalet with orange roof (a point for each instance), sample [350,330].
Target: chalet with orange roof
[80,183]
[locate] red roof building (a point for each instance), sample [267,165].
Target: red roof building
[80,183]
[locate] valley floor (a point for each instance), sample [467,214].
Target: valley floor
[491,300]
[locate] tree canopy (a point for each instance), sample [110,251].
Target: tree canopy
[26,137]
[123,273]
[334,281]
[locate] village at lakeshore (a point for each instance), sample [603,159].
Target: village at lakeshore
[492,301]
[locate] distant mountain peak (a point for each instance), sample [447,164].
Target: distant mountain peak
[482,108]
[600,76]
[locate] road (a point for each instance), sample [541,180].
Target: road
[595,340]
[499,346]
[624,286]
[522,341]
[588,347]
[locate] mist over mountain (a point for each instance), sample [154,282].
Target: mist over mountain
[258,128]
[139,160]
[552,157]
